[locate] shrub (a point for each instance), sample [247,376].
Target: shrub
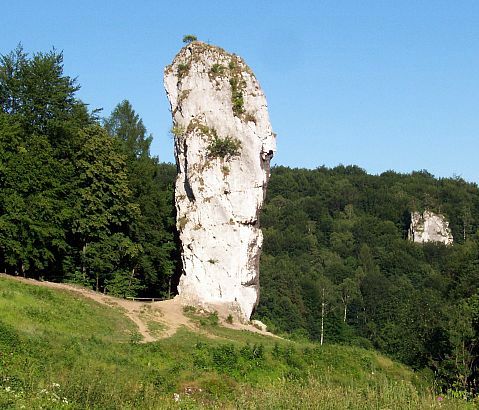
[183,69]
[225,170]
[237,97]
[217,69]
[189,309]
[224,147]
[211,320]
[182,222]
[253,353]
[177,130]
[225,358]
[189,38]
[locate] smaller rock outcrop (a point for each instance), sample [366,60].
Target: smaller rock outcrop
[429,227]
[258,324]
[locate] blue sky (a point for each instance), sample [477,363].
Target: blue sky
[381,84]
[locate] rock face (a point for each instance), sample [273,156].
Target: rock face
[429,227]
[223,146]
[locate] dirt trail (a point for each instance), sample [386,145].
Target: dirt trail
[168,313]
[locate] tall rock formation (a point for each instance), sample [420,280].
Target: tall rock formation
[223,146]
[429,227]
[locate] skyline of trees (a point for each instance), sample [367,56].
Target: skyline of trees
[83,200]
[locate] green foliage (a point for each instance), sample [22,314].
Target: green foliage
[345,231]
[189,309]
[210,320]
[79,202]
[225,148]
[87,203]
[36,91]
[151,183]
[85,355]
[177,131]
[237,96]
[127,125]
[189,38]
[183,69]
[217,69]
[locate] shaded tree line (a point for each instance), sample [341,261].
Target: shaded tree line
[337,266]
[81,198]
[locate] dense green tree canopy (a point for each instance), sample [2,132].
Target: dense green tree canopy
[79,201]
[84,201]
[349,228]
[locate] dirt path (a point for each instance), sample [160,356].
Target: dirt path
[167,315]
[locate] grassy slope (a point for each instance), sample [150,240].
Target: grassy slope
[58,350]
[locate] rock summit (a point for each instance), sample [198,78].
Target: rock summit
[223,146]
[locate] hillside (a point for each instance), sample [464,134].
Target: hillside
[60,349]
[339,236]
[83,201]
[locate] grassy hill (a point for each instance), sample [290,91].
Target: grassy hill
[61,350]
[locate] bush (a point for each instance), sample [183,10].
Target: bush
[225,358]
[189,38]
[210,320]
[217,69]
[237,96]
[224,147]
[183,69]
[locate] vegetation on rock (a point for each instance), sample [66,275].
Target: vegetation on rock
[82,200]
[189,38]
[225,148]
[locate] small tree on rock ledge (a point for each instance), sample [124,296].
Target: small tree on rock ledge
[188,38]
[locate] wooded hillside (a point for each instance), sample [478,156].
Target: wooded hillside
[82,200]
[336,249]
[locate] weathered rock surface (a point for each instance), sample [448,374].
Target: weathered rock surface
[223,146]
[429,227]
[259,325]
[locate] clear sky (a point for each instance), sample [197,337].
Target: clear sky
[383,84]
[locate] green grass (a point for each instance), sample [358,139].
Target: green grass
[58,350]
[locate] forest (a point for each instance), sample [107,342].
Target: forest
[82,200]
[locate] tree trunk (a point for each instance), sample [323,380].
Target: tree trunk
[83,267]
[345,312]
[322,319]
[131,278]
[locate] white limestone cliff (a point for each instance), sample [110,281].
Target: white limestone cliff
[429,227]
[223,146]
